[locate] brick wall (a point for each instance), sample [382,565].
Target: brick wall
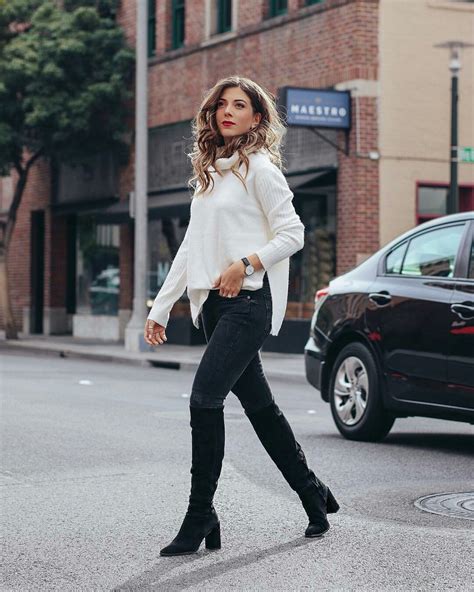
[358,194]
[35,197]
[126,16]
[335,41]
[251,13]
[195,21]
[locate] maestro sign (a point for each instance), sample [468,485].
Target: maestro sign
[311,107]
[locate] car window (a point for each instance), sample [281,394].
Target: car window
[433,253]
[470,273]
[393,263]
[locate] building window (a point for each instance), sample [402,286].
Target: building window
[165,235]
[220,15]
[223,16]
[278,7]
[178,19]
[311,2]
[98,275]
[432,201]
[151,27]
[314,266]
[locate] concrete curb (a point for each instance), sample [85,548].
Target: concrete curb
[135,359]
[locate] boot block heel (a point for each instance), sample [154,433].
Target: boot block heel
[213,539]
[332,505]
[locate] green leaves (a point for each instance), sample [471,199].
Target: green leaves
[64,75]
[85,19]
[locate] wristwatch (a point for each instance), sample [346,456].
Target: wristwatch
[249,268]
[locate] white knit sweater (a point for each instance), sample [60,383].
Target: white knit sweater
[228,223]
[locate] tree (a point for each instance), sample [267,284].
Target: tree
[65,75]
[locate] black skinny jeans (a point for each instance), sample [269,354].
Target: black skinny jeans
[235,329]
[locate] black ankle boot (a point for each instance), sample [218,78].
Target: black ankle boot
[201,521]
[278,439]
[193,529]
[318,501]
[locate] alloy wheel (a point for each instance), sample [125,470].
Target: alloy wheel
[351,390]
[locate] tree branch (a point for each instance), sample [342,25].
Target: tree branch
[18,194]
[34,158]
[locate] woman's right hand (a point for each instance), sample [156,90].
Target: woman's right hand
[154,333]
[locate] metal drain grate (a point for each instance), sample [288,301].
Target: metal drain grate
[454,505]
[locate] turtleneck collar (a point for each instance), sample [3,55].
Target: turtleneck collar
[226,163]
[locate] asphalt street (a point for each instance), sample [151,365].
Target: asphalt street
[95,480]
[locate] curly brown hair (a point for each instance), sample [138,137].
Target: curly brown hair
[209,144]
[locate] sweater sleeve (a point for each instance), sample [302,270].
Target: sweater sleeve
[173,286]
[275,198]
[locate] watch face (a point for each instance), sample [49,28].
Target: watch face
[249,269]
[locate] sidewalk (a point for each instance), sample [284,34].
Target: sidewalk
[176,357]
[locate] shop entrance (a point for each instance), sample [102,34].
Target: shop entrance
[314,266]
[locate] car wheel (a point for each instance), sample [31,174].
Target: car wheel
[355,397]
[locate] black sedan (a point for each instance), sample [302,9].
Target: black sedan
[394,337]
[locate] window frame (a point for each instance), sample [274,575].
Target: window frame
[274,11]
[178,7]
[404,243]
[465,252]
[151,28]
[221,13]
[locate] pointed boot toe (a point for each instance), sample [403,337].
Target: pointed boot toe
[175,548]
[193,530]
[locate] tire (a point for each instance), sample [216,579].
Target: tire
[363,416]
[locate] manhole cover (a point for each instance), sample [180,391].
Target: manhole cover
[455,505]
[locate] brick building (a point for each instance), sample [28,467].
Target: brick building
[71,263]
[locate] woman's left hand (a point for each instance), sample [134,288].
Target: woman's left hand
[230,282]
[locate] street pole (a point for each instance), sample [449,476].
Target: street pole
[134,329]
[455,47]
[453,196]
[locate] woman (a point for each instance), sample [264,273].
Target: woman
[234,261]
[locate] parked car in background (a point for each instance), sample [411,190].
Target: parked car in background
[394,337]
[104,292]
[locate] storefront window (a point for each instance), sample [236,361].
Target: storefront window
[314,266]
[165,235]
[98,278]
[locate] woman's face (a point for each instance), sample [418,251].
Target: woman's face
[235,114]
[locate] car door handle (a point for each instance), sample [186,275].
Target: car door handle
[380,298]
[465,310]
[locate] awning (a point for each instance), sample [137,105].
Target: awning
[173,203]
[178,202]
[92,206]
[302,180]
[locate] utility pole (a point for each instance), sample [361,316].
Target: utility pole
[134,329]
[454,66]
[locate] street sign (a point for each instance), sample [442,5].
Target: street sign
[466,154]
